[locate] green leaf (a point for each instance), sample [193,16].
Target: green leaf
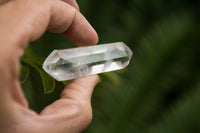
[114,77]
[47,81]
[24,74]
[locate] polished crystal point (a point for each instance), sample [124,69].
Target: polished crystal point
[82,61]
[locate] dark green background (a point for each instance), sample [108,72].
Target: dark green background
[158,92]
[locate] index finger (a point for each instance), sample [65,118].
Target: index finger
[31,19]
[80,32]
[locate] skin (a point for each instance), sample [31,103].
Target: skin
[23,21]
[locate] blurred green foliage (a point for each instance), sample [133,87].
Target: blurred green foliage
[159,92]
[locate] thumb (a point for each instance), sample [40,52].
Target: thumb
[73,111]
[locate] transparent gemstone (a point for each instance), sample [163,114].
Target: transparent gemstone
[82,61]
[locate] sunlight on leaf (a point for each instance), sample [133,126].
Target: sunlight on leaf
[114,77]
[64,82]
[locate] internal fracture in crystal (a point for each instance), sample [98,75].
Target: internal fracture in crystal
[82,61]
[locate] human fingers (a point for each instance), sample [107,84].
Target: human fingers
[72,3]
[3,1]
[29,21]
[80,32]
[80,89]
[31,18]
[73,110]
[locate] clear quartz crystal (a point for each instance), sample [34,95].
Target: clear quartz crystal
[82,61]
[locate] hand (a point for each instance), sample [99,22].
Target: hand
[22,21]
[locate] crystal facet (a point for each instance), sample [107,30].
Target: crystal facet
[82,61]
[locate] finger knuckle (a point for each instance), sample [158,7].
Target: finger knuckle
[84,111]
[88,120]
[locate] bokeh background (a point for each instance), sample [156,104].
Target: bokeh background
[159,92]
